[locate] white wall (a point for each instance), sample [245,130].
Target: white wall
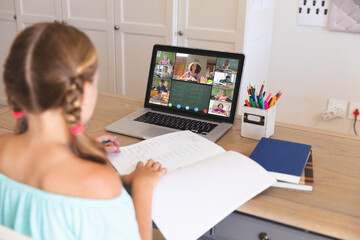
[310,65]
[257,45]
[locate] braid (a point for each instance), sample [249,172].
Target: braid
[47,67]
[72,101]
[81,145]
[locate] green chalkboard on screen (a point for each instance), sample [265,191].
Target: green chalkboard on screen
[193,95]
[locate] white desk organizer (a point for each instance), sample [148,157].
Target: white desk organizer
[257,123]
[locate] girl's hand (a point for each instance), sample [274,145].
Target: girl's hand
[111,144]
[147,175]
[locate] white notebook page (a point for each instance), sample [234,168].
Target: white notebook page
[173,151]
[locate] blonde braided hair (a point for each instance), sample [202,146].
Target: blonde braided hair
[47,67]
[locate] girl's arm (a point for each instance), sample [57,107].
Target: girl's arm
[185,76]
[143,181]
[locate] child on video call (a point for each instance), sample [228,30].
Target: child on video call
[56,182]
[164,74]
[193,73]
[226,65]
[220,110]
[162,87]
[222,96]
[165,60]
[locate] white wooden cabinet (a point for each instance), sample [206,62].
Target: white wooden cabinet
[124,32]
[214,25]
[94,17]
[8,30]
[142,24]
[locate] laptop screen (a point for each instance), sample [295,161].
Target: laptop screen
[194,82]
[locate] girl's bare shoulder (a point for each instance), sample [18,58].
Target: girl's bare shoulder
[82,178]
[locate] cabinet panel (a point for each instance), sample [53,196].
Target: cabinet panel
[95,18]
[99,39]
[95,9]
[7,6]
[148,12]
[214,22]
[211,45]
[8,26]
[141,24]
[29,12]
[137,56]
[219,15]
[38,7]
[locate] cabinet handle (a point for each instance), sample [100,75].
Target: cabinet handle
[64,22]
[116,27]
[181,33]
[264,236]
[15,17]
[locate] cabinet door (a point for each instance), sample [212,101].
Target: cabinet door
[9,31]
[29,12]
[95,18]
[212,24]
[142,24]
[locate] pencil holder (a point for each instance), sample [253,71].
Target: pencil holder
[257,123]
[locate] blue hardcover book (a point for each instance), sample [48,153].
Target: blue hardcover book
[283,159]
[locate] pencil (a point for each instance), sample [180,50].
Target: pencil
[273,100]
[267,99]
[262,88]
[278,95]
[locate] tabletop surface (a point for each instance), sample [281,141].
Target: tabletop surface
[331,209]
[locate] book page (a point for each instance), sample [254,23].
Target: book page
[173,151]
[191,200]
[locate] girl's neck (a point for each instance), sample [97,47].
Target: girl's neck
[49,126]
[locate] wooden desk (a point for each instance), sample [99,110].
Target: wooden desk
[332,209]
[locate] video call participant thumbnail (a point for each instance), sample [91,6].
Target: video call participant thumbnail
[220,108]
[193,73]
[226,65]
[162,87]
[165,58]
[221,94]
[158,99]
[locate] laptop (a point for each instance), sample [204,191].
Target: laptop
[187,89]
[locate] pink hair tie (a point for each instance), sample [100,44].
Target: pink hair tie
[78,129]
[18,114]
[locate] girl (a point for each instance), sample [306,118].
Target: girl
[55,182]
[222,96]
[193,73]
[220,110]
[165,60]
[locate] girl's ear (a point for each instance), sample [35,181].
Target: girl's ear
[85,91]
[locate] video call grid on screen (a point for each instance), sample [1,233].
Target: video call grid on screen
[194,83]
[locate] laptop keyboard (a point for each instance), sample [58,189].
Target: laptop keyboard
[176,122]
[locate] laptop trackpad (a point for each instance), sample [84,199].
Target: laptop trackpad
[155,131]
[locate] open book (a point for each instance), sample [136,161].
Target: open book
[203,185]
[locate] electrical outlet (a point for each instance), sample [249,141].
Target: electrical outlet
[352,107]
[338,107]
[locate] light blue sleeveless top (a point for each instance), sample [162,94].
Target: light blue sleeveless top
[43,215]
